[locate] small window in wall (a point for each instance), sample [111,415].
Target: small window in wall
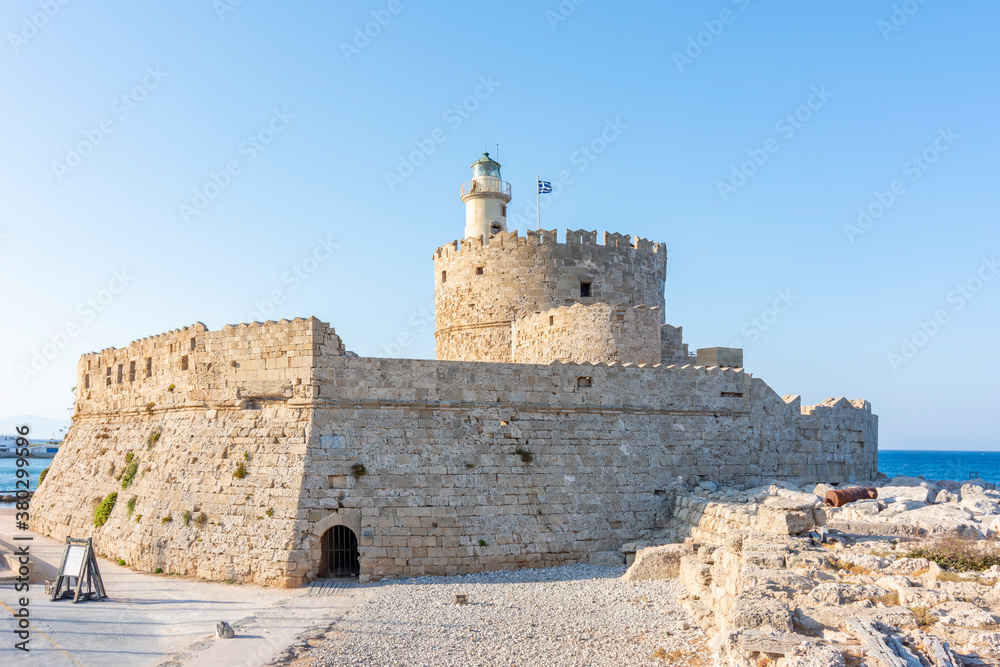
[584,382]
[107,377]
[131,371]
[552,320]
[86,381]
[479,270]
[121,370]
[192,344]
[184,363]
[503,210]
[495,228]
[444,276]
[149,366]
[584,290]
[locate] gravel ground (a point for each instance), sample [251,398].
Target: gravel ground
[570,615]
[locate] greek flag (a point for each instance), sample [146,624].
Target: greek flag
[544,187]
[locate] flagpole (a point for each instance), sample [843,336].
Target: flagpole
[538,207]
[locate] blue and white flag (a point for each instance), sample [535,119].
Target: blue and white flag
[544,187]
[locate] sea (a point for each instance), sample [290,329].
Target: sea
[930,464]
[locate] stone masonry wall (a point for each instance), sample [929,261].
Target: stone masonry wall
[213,401]
[439,443]
[479,290]
[597,333]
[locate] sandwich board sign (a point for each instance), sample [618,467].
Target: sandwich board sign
[79,563]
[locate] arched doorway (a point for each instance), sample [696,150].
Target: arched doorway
[340,557]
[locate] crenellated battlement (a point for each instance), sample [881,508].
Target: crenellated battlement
[195,366]
[548,238]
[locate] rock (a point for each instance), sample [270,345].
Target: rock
[662,562]
[864,507]
[749,613]
[708,486]
[607,558]
[920,597]
[908,566]
[980,505]
[780,583]
[901,506]
[894,582]
[991,526]
[903,480]
[948,518]
[813,654]
[781,520]
[821,489]
[838,594]
[920,493]
[946,496]
[964,614]
[224,630]
[764,559]
[816,620]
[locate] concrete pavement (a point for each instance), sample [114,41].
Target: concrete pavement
[157,619]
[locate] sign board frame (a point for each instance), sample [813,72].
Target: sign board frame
[80,563]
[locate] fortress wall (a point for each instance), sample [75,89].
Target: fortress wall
[194,365]
[234,404]
[249,531]
[597,333]
[524,275]
[438,441]
[672,347]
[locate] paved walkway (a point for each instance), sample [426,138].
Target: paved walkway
[157,619]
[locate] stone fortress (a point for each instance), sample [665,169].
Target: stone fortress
[560,410]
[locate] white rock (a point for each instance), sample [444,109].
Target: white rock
[709,486]
[921,493]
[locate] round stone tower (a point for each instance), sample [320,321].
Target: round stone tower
[486,197]
[482,289]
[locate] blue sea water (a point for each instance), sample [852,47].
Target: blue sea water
[940,465]
[8,473]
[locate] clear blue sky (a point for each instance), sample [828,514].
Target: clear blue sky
[199,81]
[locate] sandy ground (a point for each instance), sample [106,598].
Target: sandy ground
[157,619]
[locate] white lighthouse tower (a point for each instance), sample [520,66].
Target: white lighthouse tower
[486,197]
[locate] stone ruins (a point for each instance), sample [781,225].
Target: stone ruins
[559,410]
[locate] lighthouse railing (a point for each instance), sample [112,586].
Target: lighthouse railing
[489,185]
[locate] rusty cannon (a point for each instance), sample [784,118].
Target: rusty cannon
[840,497]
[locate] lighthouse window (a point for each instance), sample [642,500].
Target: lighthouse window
[495,228]
[503,210]
[584,290]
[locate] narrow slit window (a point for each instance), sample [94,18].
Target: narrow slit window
[552,320]
[184,363]
[131,371]
[121,371]
[584,290]
[444,276]
[503,210]
[149,366]
[107,377]
[193,343]
[86,381]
